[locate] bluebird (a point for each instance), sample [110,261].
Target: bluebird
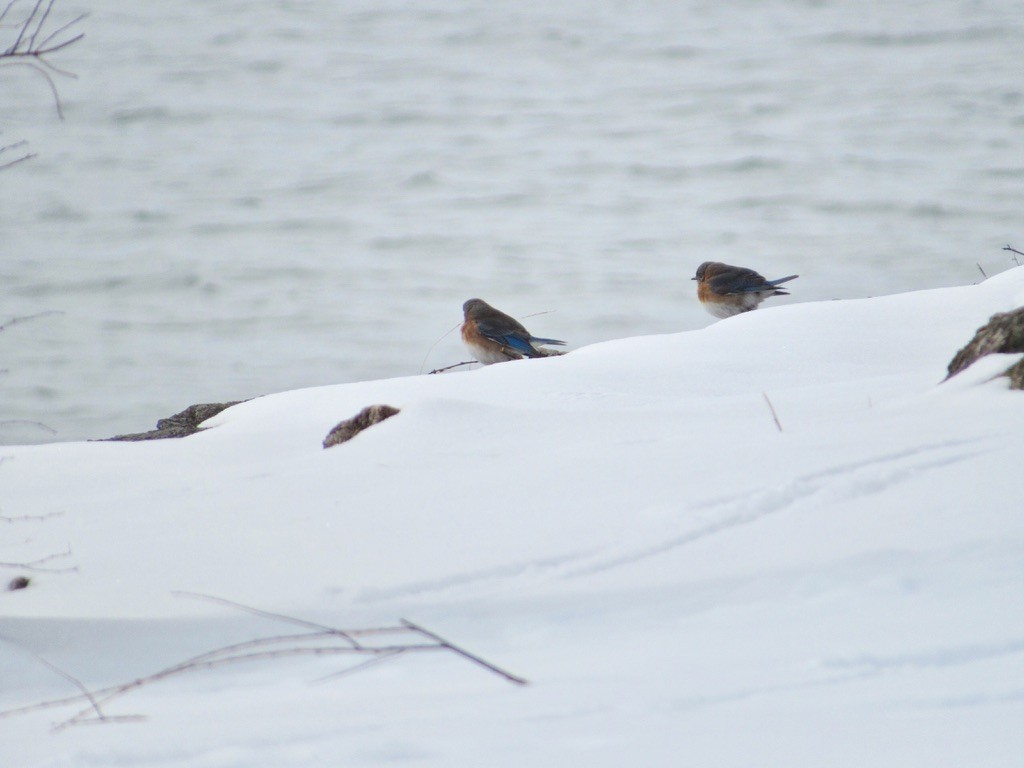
[725,290]
[494,337]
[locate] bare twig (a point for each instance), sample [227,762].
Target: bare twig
[21,159]
[978,264]
[34,65]
[27,44]
[322,641]
[23,318]
[200,663]
[33,44]
[10,5]
[1015,252]
[267,614]
[38,564]
[361,665]
[772,409]
[464,653]
[450,367]
[431,349]
[42,45]
[25,518]
[94,705]
[22,30]
[39,424]
[46,14]
[15,145]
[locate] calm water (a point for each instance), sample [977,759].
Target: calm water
[251,197]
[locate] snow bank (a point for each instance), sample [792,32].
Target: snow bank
[625,526]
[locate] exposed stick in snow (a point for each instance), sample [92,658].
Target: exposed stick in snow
[268,614]
[978,265]
[94,705]
[320,641]
[361,665]
[462,652]
[1014,251]
[23,518]
[39,564]
[449,367]
[772,409]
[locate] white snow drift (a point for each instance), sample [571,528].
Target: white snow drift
[625,526]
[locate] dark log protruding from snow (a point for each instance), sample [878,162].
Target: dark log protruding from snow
[349,428]
[180,424]
[1004,333]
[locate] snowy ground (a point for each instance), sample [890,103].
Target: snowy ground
[625,527]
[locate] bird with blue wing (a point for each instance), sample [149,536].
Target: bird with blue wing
[725,290]
[494,337]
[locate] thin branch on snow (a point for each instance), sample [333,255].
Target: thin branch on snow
[267,614]
[771,408]
[464,653]
[39,564]
[450,367]
[321,640]
[26,518]
[360,666]
[1015,252]
[101,716]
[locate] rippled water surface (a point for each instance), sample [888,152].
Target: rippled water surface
[251,197]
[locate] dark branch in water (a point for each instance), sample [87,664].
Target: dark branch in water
[15,161]
[29,422]
[31,46]
[28,43]
[23,318]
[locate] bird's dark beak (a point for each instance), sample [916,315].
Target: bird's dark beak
[693,278]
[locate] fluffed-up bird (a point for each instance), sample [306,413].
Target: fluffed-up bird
[493,337]
[725,290]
